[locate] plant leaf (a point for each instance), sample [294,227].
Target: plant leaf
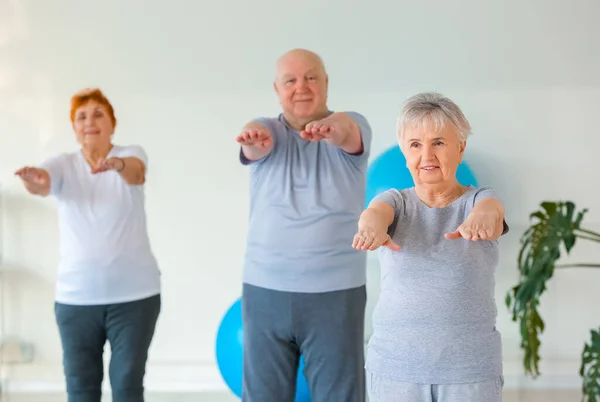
[590,368]
[552,228]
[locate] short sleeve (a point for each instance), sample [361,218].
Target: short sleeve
[365,133]
[394,199]
[55,166]
[488,192]
[268,123]
[134,151]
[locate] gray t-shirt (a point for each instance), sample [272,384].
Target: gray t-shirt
[305,202]
[435,319]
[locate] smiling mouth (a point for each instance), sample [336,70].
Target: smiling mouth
[429,168]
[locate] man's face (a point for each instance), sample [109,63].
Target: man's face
[301,85]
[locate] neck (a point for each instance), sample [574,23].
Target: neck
[298,123]
[440,195]
[95,152]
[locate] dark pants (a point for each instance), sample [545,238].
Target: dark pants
[326,328]
[84,330]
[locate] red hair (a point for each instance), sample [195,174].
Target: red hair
[91,94]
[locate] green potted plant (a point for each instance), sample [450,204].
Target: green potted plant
[555,229]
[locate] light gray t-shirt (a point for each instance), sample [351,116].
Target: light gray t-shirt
[435,319]
[305,202]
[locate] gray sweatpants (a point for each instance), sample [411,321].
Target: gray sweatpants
[84,330]
[382,389]
[326,328]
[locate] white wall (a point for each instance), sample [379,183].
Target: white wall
[184,76]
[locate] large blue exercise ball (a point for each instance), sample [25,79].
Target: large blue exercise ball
[229,351]
[389,170]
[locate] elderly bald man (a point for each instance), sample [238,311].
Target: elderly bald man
[303,283]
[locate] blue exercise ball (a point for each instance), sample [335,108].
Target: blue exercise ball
[229,351]
[389,170]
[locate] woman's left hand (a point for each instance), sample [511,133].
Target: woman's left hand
[477,226]
[108,164]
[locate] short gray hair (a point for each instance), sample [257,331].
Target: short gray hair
[436,109]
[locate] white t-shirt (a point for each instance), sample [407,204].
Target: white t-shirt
[105,254]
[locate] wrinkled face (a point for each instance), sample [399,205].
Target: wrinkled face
[93,124]
[301,85]
[432,156]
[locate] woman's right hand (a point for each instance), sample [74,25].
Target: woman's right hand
[36,180]
[371,239]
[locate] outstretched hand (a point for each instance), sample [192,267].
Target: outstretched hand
[36,180]
[257,137]
[477,226]
[319,130]
[367,239]
[32,175]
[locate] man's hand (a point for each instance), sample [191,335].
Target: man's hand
[320,129]
[338,130]
[256,141]
[255,137]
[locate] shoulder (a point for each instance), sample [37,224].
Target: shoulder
[403,194]
[58,159]
[393,192]
[128,149]
[475,194]
[398,199]
[361,120]
[65,156]
[357,117]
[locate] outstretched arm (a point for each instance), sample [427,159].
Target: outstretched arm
[347,136]
[373,227]
[131,169]
[338,130]
[495,209]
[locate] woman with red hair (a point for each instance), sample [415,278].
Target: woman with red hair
[108,286]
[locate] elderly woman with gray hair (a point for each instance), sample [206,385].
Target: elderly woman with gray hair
[434,336]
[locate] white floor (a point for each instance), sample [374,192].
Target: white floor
[509,396]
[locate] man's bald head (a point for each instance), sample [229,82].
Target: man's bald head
[301,84]
[296,56]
